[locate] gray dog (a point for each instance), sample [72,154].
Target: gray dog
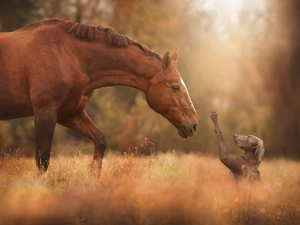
[244,166]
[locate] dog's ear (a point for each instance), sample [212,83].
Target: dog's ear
[259,152]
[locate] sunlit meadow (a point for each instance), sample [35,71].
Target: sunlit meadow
[169,188]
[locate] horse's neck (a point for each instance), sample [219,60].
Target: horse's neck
[127,66]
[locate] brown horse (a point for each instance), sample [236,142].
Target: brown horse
[50,69]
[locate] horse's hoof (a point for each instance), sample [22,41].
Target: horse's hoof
[43,164]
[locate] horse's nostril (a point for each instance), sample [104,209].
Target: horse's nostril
[195,127]
[188,130]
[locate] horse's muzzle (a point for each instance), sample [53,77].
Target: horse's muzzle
[187,129]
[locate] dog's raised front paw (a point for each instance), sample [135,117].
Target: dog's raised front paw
[214,116]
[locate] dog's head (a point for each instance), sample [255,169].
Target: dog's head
[251,144]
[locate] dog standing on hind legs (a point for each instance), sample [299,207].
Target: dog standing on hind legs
[243,166]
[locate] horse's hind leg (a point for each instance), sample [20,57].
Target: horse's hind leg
[82,124]
[45,121]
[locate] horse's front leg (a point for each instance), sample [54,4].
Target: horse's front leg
[45,121]
[82,124]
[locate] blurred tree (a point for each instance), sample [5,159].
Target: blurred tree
[81,11]
[285,76]
[17,13]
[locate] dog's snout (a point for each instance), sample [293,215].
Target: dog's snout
[235,136]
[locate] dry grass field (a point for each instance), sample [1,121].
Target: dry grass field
[163,189]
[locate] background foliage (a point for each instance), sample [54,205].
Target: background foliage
[238,57]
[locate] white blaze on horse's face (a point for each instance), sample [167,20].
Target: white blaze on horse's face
[168,96]
[183,84]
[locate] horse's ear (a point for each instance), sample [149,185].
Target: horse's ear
[259,152]
[174,55]
[166,62]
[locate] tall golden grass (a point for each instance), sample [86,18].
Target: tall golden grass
[164,189]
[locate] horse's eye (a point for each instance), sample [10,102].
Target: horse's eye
[175,88]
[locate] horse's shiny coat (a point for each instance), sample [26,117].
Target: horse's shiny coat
[49,70]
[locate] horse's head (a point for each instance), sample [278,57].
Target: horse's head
[168,96]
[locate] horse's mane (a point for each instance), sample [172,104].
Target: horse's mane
[89,33]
